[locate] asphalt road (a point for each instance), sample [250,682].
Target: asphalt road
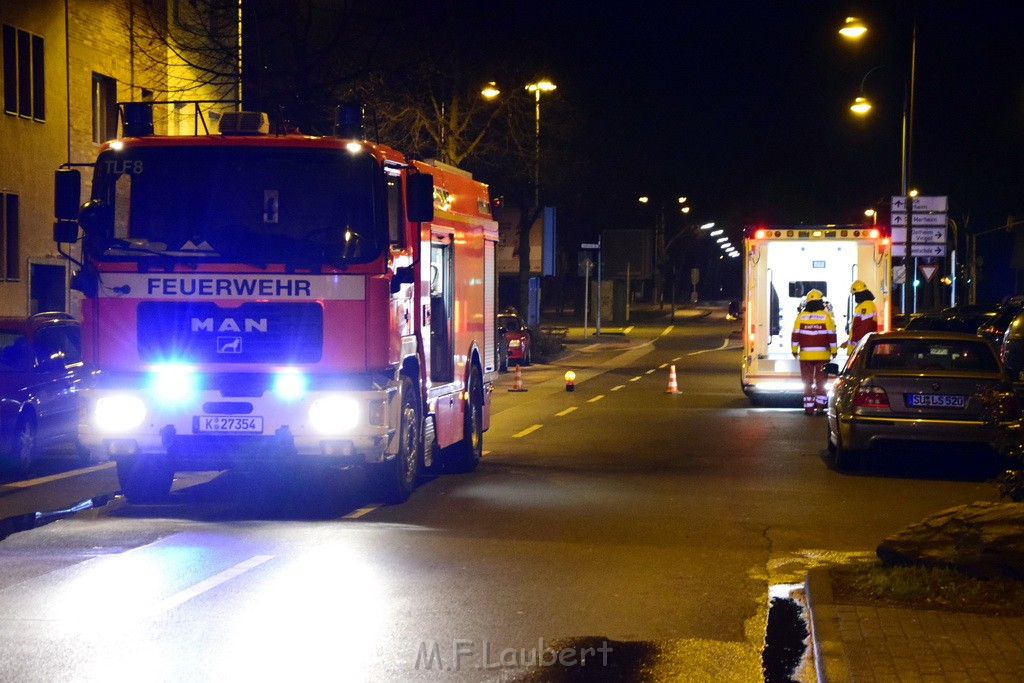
[630,532]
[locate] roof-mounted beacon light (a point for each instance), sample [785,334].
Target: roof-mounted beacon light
[348,121]
[138,119]
[244,123]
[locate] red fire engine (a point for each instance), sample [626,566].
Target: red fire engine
[254,299]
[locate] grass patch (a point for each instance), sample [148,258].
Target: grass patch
[871,582]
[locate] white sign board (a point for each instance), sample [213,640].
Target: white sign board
[899,203]
[900,219]
[899,236]
[927,249]
[928,235]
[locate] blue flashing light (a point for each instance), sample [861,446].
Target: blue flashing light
[174,383]
[290,385]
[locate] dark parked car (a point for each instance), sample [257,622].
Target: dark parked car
[916,386]
[40,373]
[987,320]
[518,337]
[1011,350]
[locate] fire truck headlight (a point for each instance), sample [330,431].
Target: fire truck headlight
[290,385]
[174,383]
[334,414]
[119,413]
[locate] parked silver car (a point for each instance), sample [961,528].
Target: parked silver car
[917,386]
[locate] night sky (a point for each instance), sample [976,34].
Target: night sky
[743,107]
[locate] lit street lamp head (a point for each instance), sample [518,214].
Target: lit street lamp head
[861,105]
[853,28]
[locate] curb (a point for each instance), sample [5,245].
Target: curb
[830,659]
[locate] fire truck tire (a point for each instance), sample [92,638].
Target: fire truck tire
[396,478]
[465,455]
[145,479]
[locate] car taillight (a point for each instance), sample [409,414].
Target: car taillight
[870,397]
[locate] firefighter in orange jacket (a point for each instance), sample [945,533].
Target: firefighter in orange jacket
[814,344]
[865,317]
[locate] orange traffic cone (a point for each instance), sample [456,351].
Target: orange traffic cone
[673,387]
[517,381]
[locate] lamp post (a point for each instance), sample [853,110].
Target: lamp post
[854,29]
[660,246]
[543,85]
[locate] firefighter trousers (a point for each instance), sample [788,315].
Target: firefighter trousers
[812,372]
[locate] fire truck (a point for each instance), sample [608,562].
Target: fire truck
[261,299]
[781,265]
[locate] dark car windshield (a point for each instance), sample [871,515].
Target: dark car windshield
[14,351]
[266,204]
[510,323]
[917,354]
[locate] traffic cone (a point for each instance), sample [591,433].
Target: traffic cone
[673,387]
[517,381]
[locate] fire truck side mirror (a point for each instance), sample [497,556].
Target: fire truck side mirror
[67,194]
[420,197]
[65,231]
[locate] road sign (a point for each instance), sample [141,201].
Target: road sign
[900,219]
[590,245]
[928,271]
[899,236]
[928,235]
[899,249]
[899,203]
[927,249]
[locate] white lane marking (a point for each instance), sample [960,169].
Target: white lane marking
[528,430]
[667,330]
[596,398]
[628,330]
[620,386]
[677,358]
[663,366]
[638,377]
[725,345]
[566,411]
[651,371]
[356,514]
[55,477]
[210,583]
[485,452]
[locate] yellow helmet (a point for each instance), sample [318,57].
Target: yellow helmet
[814,295]
[857,286]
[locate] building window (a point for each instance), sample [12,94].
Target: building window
[10,254]
[104,108]
[24,92]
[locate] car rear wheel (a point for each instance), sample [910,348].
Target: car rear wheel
[844,458]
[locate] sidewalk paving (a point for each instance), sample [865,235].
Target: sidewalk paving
[882,643]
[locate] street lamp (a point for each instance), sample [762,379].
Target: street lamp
[543,85]
[854,29]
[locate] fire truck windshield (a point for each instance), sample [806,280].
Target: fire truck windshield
[241,204]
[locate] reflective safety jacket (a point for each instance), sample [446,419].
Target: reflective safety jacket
[814,336]
[865,320]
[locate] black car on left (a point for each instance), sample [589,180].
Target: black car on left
[41,372]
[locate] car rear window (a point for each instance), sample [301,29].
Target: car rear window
[916,354]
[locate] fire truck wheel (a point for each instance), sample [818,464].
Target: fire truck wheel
[466,453]
[397,477]
[145,479]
